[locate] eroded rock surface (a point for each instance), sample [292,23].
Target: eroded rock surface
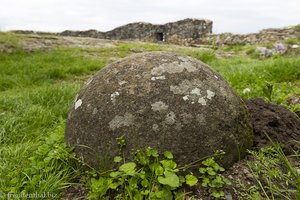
[161,100]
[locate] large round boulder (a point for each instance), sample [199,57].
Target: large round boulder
[161,100]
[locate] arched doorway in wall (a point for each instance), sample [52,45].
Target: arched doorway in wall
[160,37]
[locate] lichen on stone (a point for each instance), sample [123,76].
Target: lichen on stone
[78,103]
[119,121]
[113,96]
[122,82]
[196,91]
[202,101]
[191,91]
[95,110]
[170,118]
[154,78]
[210,94]
[172,68]
[155,127]
[159,106]
[185,86]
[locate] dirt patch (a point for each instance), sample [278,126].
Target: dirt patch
[279,123]
[87,43]
[76,191]
[36,42]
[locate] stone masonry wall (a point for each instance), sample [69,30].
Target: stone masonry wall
[183,32]
[187,31]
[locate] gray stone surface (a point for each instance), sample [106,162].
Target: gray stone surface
[162,100]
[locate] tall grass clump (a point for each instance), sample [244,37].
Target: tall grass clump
[276,177]
[243,73]
[204,55]
[9,43]
[32,112]
[47,167]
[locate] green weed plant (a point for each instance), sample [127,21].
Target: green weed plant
[153,176]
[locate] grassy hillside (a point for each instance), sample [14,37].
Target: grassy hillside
[39,83]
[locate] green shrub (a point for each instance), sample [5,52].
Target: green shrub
[212,178]
[292,41]
[152,176]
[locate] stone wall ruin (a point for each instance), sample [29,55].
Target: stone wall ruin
[183,32]
[271,35]
[187,32]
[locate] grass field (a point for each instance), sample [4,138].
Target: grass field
[38,87]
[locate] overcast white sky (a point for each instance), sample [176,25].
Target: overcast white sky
[238,16]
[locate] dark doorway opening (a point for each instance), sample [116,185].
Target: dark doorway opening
[160,37]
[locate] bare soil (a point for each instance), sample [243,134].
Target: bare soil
[280,124]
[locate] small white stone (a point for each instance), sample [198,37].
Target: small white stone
[78,103]
[246,90]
